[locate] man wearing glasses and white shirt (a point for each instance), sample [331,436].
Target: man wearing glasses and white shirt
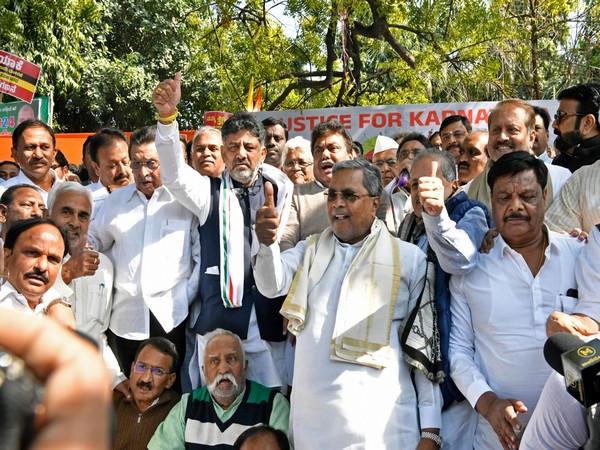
[153,243]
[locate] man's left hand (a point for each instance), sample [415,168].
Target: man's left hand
[267,219]
[574,324]
[427,444]
[431,192]
[82,264]
[63,315]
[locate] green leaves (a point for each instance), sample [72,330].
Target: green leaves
[102,58]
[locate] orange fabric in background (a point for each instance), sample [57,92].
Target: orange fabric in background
[71,144]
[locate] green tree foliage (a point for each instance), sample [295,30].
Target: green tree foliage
[102,58]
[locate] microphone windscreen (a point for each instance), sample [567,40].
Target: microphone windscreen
[556,345]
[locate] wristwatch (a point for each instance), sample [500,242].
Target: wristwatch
[434,437]
[62,300]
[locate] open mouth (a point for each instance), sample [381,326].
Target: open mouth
[326,166]
[340,217]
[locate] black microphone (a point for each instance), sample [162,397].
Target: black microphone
[578,362]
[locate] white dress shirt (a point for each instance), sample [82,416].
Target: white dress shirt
[11,299]
[23,179]
[578,203]
[91,301]
[339,405]
[154,247]
[499,313]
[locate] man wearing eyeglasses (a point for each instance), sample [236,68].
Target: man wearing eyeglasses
[33,148]
[384,157]
[152,376]
[153,243]
[226,209]
[349,289]
[453,131]
[577,127]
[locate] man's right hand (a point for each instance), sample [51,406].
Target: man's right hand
[166,96]
[83,264]
[267,219]
[501,413]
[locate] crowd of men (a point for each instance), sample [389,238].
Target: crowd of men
[398,302]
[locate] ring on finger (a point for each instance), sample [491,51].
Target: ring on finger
[158,90]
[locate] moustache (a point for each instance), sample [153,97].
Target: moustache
[244,162]
[505,144]
[37,273]
[219,378]
[463,164]
[143,384]
[121,176]
[517,216]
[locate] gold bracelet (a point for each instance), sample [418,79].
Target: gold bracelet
[62,300]
[171,118]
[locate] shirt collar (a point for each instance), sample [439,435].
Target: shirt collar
[8,290]
[504,248]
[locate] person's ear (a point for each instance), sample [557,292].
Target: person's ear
[96,168]
[171,380]
[544,195]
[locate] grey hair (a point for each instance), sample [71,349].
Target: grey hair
[205,130]
[301,143]
[69,187]
[208,337]
[371,174]
[446,160]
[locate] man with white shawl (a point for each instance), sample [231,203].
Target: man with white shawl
[226,209]
[349,290]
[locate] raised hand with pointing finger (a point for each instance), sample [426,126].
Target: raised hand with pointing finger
[267,219]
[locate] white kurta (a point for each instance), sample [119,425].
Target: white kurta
[337,405]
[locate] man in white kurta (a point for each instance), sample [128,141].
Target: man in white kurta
[500,309]
[339,402]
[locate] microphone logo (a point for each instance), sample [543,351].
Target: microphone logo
[586,351]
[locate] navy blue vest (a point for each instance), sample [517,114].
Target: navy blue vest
[214,314]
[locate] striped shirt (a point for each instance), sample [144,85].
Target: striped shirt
[578,202]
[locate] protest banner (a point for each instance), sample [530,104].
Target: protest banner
[18,77]
[365,123]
